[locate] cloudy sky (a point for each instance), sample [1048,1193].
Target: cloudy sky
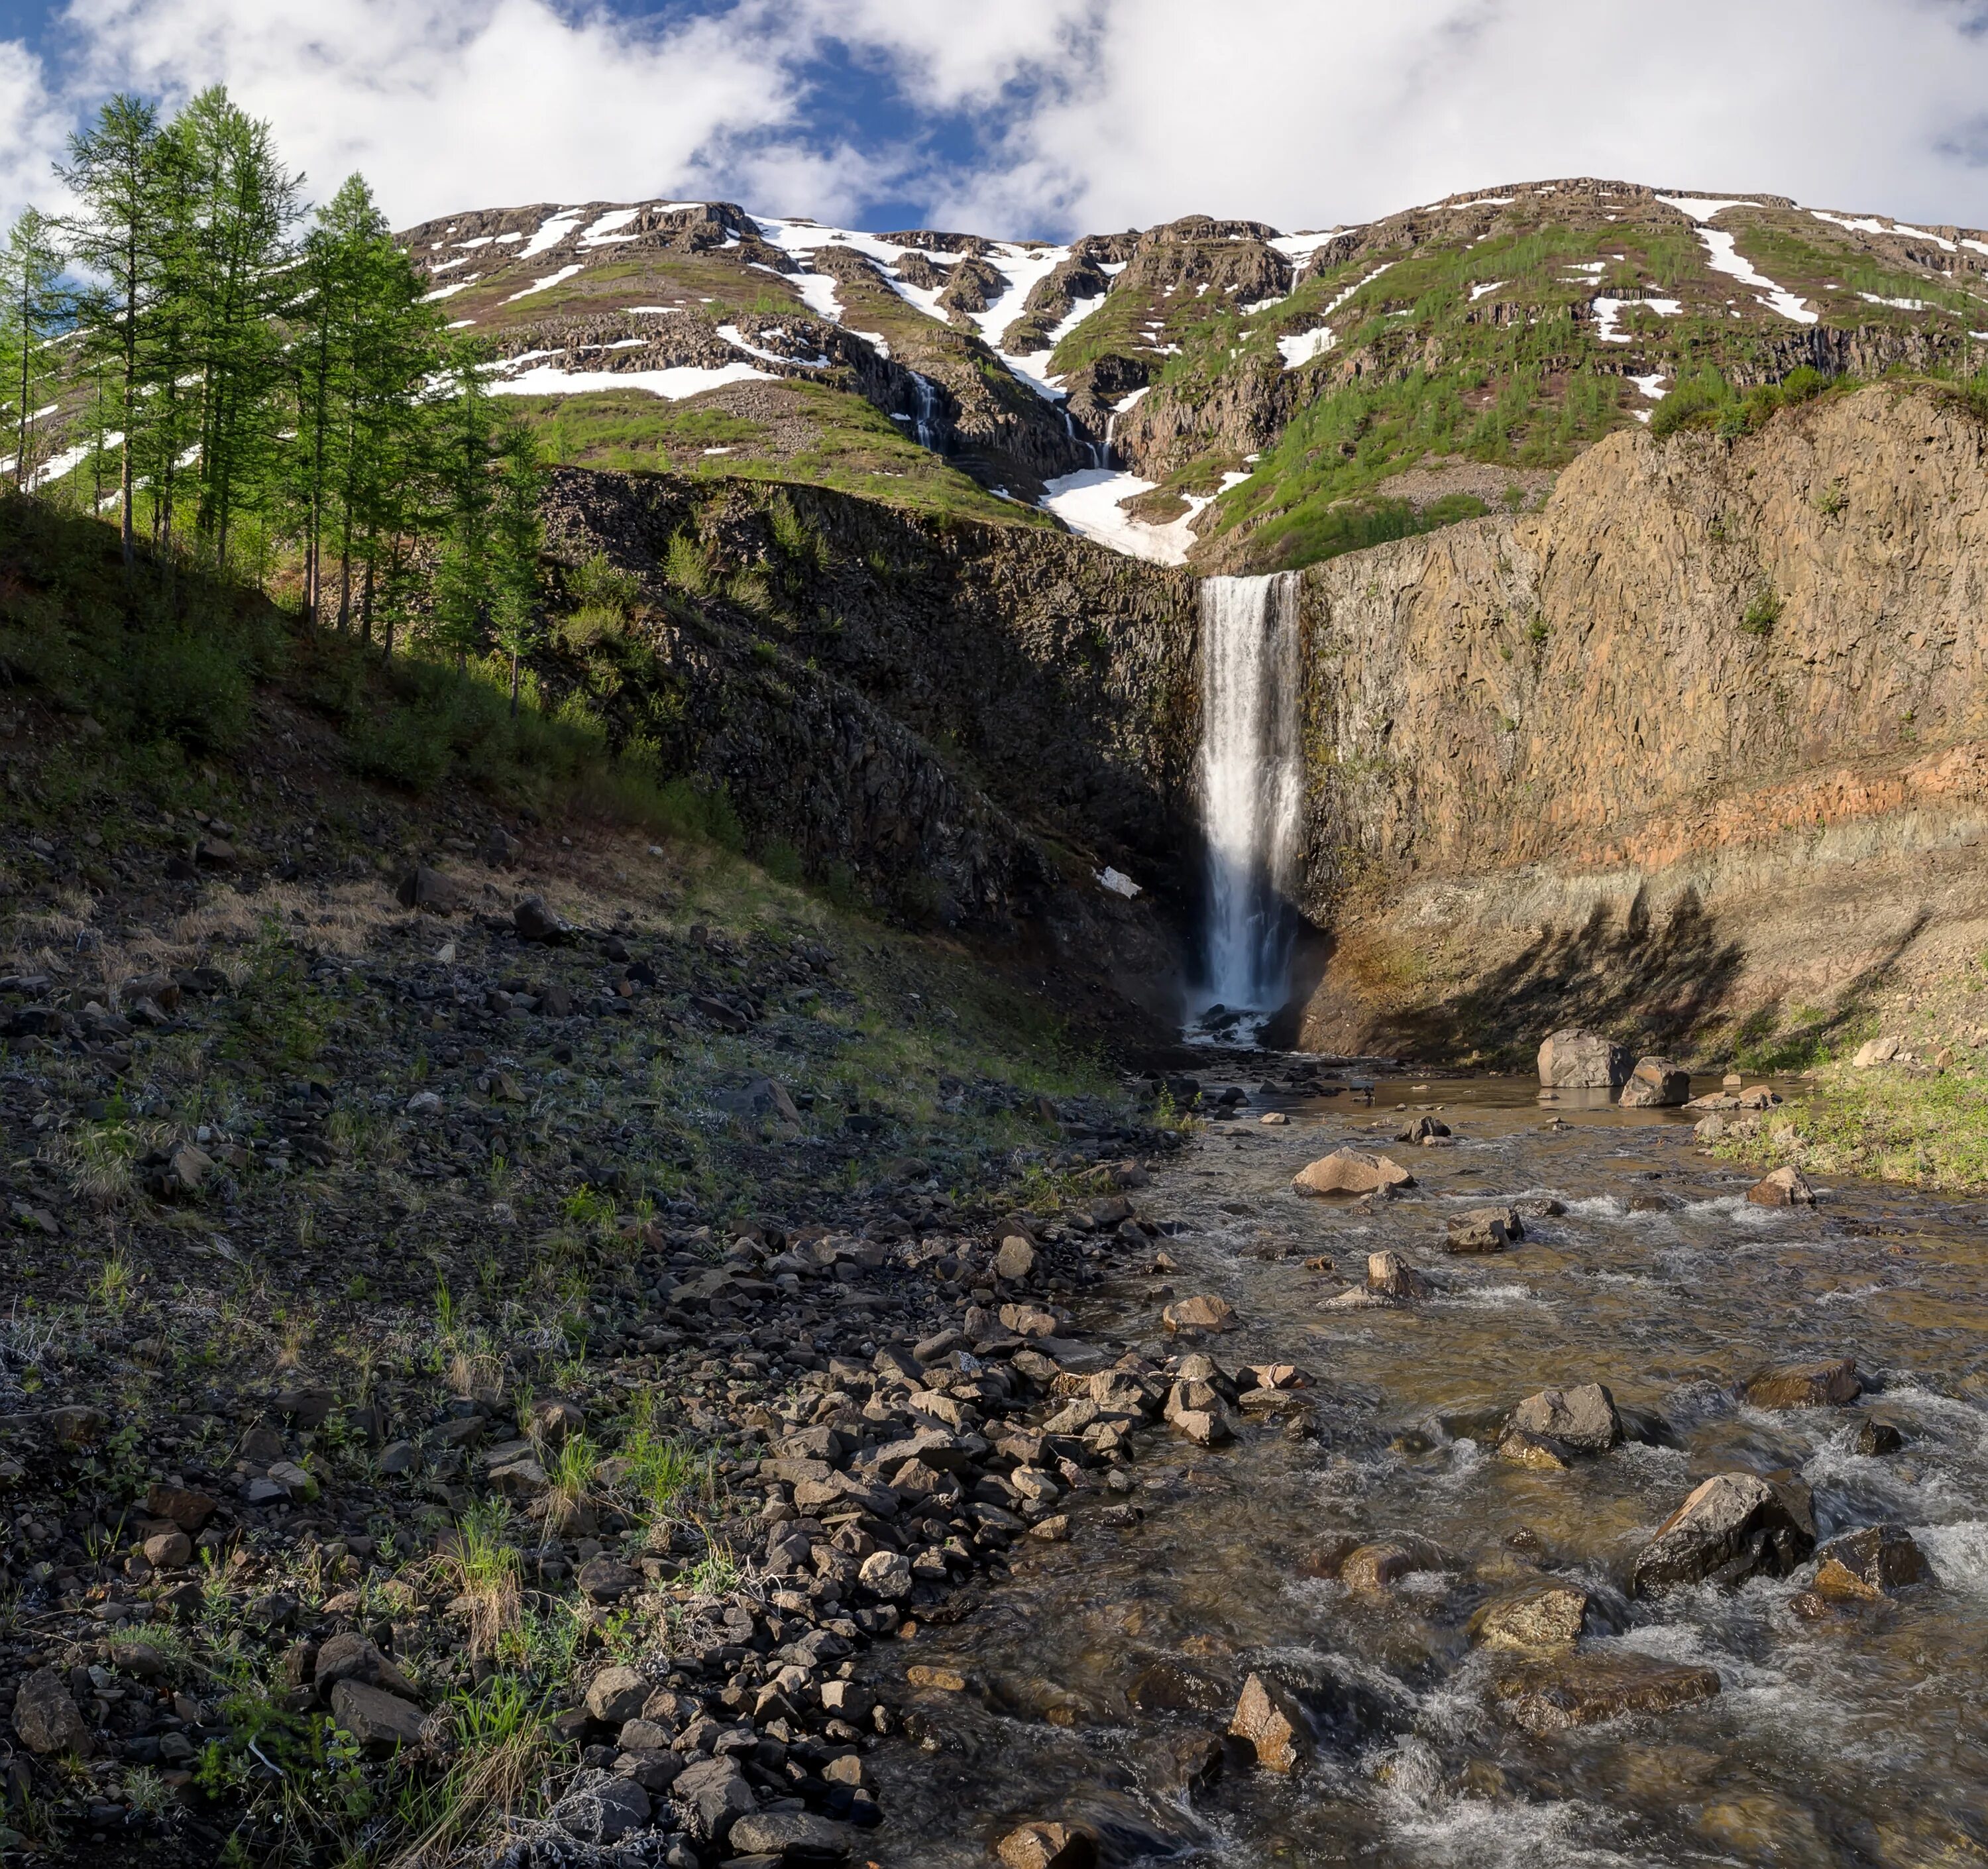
[1043,117]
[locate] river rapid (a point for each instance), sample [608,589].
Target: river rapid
[1096,1666]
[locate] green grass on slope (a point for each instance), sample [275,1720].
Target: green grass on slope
[818,436]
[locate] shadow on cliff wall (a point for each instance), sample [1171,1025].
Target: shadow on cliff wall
[1665,986]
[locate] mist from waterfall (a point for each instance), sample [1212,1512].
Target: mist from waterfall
[1252,784]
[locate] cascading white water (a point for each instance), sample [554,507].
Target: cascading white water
[1252,784]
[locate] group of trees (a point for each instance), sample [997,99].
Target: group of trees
[261,387]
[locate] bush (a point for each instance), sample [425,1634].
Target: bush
[687,565]
[1762,612]
[401,745]
[1693,402]
[191,688]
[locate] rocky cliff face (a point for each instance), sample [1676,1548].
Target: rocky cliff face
[971,718]
[1709,725]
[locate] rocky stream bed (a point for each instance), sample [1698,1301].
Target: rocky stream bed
[1355,1601]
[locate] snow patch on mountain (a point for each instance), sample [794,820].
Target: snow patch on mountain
[539,285]
[1872,225]
[672,384]
[1091,503]
[552,230]
[1725,256]
[1302,346]
[1607,311]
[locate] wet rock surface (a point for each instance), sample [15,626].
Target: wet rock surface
[1372,1640]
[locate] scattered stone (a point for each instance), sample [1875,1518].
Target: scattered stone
[1275,1118]
[1868,1565]
[941,1680]
[1484,1230]
[1877,1052]
[1390,1277]
[1731,1527]
[425,889]
[1014,1260]
[535,922]
[715,1794]
[1421,1128]
[1548,1616]
[1878,1436]
[1785,1187]
[603,1809]
[1575,1060]
[168,1550]
[1210,1314]
[1047,1846]
[1535,1450]
[1374,1569]
[1657,1083]
[1586,1688]
[380,1722]
[617,1695]
[45,1716]
[181,1174]
[1583,1418]
[888,1574]
[1268,1720]
[1813,1385]
[1350,1171]
[796,1837]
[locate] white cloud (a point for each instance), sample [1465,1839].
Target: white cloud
[1093,113]
[32,132]
[457,104]
[1310,112]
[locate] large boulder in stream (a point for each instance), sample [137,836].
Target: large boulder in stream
[1657,1083]
[1573,1060]
[1731,1527]
[1805,1385]
[1550,1697]
[1350,1171]
[1583,1418]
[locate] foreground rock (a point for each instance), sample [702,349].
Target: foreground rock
[1547,1616]
[1048,1846]
[1390,1281]
[1732,1527]
[1268,1720]
[1785,1187]
[1808,1385]
[1869,1565]
[1350,1171]
[1585,1689]
[1582,1418]
[1657,1083]
[1575,1060]
[1484,1230]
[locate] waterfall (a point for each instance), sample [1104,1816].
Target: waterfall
[1070,429]
[924,422]
[1252,784]
[1111,423]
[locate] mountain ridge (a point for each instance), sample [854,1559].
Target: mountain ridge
[1208,390]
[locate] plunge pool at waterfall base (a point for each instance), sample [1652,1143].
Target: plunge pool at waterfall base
[1098,1670]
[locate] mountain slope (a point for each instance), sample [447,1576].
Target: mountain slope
[1204,389]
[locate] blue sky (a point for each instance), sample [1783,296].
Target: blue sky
[1044,116]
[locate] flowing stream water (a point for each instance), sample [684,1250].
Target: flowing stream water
[1862,1740]
[1252,784]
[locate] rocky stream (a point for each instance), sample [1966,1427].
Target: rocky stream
[1340,1604]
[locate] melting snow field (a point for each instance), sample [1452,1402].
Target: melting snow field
[672,384]
[1724,250]
[1090,501]
[1608,311]
[539,285]
[1302,346]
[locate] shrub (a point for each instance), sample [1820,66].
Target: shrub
[1693,402]
[1762,612]
[687,565]
[191,688]
[402,747]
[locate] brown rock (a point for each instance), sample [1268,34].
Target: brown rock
[1868,1565]
[1350,1171]
[1547,1616]
[168,1550]
[1485,1230]
[1584,1689]
[941,1680]
[188,1510]
[381,1722]
[617,1695]
[1785,1187]
[1200,1314]
[45,1716]
[1014,1260]
[1731,1527]
[429,889]
[1570,1059]
[1270,1721]
[1374,1569]
[1657,1083]
[1537,1451]
[1047,1846]
[1390,1276]
[1814,1385]
[351,1656]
